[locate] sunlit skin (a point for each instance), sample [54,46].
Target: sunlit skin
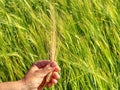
[35,79]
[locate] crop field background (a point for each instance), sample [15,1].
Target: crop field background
[88,41]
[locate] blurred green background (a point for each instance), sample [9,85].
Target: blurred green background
[88,41]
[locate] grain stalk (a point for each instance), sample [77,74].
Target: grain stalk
[52,42]
[53,35]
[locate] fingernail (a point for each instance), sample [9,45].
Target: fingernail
[52,64]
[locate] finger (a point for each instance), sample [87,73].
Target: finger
[55,75]
[49,85]
[41,64]
[45,71]
[57,69]
[54,64]
[52,82]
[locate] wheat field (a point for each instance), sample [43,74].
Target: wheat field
[87,41]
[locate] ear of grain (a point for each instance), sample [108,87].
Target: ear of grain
[53,34]
[53,40]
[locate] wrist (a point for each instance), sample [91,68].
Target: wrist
[22,85]
[25,86]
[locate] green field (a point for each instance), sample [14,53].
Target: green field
[88,41]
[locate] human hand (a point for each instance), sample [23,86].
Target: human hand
[35,79]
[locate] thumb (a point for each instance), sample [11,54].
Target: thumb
[46,70]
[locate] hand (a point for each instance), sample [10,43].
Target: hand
[35,79]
